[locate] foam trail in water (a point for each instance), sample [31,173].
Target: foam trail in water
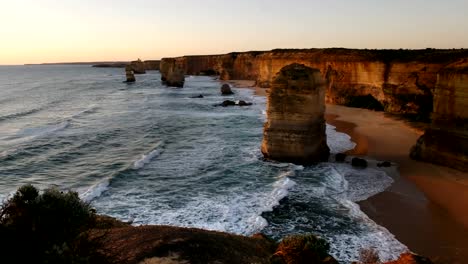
[146,158]
[88,110]
[42,130]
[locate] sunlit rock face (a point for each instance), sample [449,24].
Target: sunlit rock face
[446,141]
[295,127]
[138,67]
[172,72]
[397,81]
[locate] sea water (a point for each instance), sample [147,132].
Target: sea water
[150,154]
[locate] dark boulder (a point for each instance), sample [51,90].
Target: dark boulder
[197,96]
[226,89]
[357,162]
[384,164]
[227,103]
[244,103]
[340,157]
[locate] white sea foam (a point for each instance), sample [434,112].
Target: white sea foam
[236,212]
[146,158]
[349,185]
[96,190]
[337,141]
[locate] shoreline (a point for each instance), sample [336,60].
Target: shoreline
[425,208]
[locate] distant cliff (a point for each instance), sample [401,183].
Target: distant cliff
[398,81]
[148,65]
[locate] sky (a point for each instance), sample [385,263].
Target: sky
[36,31]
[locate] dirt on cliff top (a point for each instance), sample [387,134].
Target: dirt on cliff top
[181,245]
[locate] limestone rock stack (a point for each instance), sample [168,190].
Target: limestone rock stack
[446,141]
[138,67]
[129,74]
[172,73]
[295,127]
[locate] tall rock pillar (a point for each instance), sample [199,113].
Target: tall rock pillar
[446,141]
[295,127]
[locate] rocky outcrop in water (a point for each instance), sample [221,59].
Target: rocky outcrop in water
[226,89]
[129,74]
[397,81]
[138,67]
[172,73]
[295,127]
[446,141]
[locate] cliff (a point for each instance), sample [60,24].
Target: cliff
[295,127]
[446,141]
[397,81]
[172,72]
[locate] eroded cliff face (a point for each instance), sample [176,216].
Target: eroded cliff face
[295,127]
[401,81]
[446,141]
[172,72]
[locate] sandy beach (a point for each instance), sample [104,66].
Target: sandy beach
[426,206]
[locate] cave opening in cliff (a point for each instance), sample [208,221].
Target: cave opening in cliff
[364,101]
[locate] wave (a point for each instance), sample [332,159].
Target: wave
[20,114]
[42,131]
[88,110]
[146,158]
[96,190]
[324,200]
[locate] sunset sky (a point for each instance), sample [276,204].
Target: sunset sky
[34,31]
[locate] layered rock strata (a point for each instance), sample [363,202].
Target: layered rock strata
[295,127]
[172,73]
[400,81]
[446,141]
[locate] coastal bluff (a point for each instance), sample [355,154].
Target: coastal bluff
[400,81]
[295,127]
[445,142]
[425,85]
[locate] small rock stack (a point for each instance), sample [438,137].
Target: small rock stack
[129,74]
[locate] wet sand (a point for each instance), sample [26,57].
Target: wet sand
[426,207]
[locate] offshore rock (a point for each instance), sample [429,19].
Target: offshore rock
[172,73]
[129,74]
[226,89]
[295,127]
[138,67]
[446,141]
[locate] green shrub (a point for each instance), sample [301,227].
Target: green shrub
[46,227]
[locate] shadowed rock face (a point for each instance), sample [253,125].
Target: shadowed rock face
[129,74]
[446,141]
[295,127]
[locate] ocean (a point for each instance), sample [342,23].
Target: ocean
[150,154]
